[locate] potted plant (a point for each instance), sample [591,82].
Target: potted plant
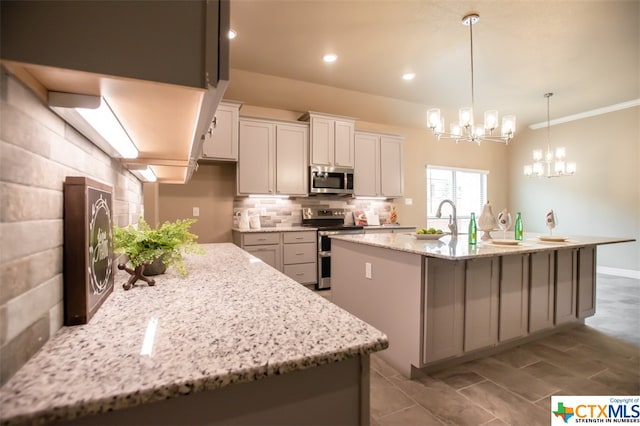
[148,248]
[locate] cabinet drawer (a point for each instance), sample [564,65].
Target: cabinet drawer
[261,238]
[299,253]
[299,237]
[304,273]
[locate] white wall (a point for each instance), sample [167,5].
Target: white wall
[602,198]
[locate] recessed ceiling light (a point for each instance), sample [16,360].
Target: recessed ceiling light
[408,76]
[232,34]
[330,57]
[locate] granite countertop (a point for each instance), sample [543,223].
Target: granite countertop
[459,248]
[389,226]
[233,319]
[277,229]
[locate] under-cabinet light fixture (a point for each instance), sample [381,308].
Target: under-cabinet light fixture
[372,198]
[148,174]
[267,196]
[97,113]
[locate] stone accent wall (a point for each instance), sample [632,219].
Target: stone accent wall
[278,211]
[37,151]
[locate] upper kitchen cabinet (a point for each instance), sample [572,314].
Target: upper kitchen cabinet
[272,158]
[221,141]
[378,170]
[162,67]
[331,139]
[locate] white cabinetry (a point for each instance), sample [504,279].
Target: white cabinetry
[378,170]
[221,142]
[300,256]
[331,140]
[265,246]
[292,252]
[272,158]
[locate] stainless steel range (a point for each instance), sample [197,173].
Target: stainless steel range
[329,221]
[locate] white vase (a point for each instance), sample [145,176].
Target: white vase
[487,221]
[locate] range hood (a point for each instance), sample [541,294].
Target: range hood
[163,66]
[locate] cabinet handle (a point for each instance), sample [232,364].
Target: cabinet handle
[299,254]
[261,239]
[299,274]
[299,238]
[215,122]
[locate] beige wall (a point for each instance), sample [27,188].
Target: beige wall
[37,151]
[211,189]
[602,198]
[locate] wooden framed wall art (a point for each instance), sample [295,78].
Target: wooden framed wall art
[88,248]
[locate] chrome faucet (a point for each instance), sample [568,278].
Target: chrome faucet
[453,227]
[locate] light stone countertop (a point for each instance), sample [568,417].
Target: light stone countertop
[402,227]
[458,248]
[232,319]
[276,229]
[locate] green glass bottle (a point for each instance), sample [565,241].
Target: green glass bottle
[519,230]
[473,230]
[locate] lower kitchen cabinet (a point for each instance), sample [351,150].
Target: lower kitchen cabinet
[514,296]
[292,252]
[586,281]
[541,293]
[300,256]
[566,282]
[481,303]
[444,328]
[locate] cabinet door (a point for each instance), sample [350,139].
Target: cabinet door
[268,254]
[586,281]
[541,294]
[367,165]
[322,140]
[514,296]
[222,144]
[344,144]
[481,303]
[444,307]
[566,285]
[292,171]
[256,152]
[391,167]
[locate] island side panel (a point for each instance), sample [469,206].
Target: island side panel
[336,393]
[391,300]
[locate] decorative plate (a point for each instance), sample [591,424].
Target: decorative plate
[505,242]
[552,238]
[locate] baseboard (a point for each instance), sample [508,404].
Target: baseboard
[628,273]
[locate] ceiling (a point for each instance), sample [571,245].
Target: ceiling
[586,52]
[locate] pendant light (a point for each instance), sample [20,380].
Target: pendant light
[550,163]
[466,129]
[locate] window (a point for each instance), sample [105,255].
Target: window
[466,188]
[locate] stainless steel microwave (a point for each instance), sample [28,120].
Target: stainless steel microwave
[330,180]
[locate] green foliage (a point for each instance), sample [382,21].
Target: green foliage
[169,243]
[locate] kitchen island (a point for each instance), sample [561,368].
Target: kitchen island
[234,341]
[444,301]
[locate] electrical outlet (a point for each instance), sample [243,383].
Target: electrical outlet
[196,211]
[367,270]
[408,201]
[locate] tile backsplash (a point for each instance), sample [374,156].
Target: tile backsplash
[283,212]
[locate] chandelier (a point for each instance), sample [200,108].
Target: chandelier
[465,129]
[542,164]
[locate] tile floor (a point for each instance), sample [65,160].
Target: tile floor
[515,387]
